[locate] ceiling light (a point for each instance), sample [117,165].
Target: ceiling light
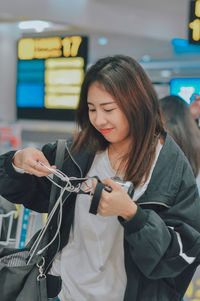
[37,25]
[102,41]
[166,73]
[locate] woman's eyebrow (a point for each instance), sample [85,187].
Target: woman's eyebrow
[102,104]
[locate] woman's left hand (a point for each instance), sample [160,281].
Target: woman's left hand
[117,202]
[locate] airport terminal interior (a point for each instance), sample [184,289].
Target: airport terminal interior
[46,47]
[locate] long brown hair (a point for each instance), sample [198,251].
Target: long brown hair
[182,127]
[126,81]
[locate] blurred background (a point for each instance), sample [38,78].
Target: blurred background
[46,46]
[39,87]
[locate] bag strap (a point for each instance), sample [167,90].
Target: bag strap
[60,152]
[44,235]
[96,196]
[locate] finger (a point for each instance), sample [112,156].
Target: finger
[45,161]
[111,183]
[103,208]
[41,167]
[196,97]
[36,169]
[94,183]
[37,173]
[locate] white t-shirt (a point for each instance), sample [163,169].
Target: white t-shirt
[91,265]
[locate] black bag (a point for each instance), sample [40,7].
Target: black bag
[21,281]
[22,271]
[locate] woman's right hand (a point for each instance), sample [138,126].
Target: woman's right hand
[28,160]
[195,106]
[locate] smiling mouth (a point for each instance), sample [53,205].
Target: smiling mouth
[105,131]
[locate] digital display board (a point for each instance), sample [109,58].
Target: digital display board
[185,88]
[194,22]
[50,72]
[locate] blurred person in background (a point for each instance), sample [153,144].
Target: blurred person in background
[195,107]
[180,124]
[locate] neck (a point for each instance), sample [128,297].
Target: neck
[116,157]
[119,149]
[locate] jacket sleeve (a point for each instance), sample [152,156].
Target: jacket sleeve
[164,244]
[31,191]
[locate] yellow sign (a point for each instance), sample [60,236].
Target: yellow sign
[193,291]
[63,79]
[197,8]
[42,48]
[194,22]
[50,73]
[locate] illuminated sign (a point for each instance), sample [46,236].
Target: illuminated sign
[193,291]
[185,88]
[50,72]
[42,48]
[194,22]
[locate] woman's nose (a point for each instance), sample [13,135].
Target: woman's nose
[100,118]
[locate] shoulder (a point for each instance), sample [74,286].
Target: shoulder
[171,176]
[176,163]
[172,168]
[171,153]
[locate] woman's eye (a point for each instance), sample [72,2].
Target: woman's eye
[105,110]
[109,110]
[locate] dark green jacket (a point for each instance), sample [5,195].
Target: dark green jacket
[161,242]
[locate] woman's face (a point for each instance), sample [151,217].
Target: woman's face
[106,116]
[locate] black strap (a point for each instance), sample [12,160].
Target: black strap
[60,153]
[96,198]
[53,248]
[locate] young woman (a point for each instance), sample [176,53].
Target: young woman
[141,249]
[183,128]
